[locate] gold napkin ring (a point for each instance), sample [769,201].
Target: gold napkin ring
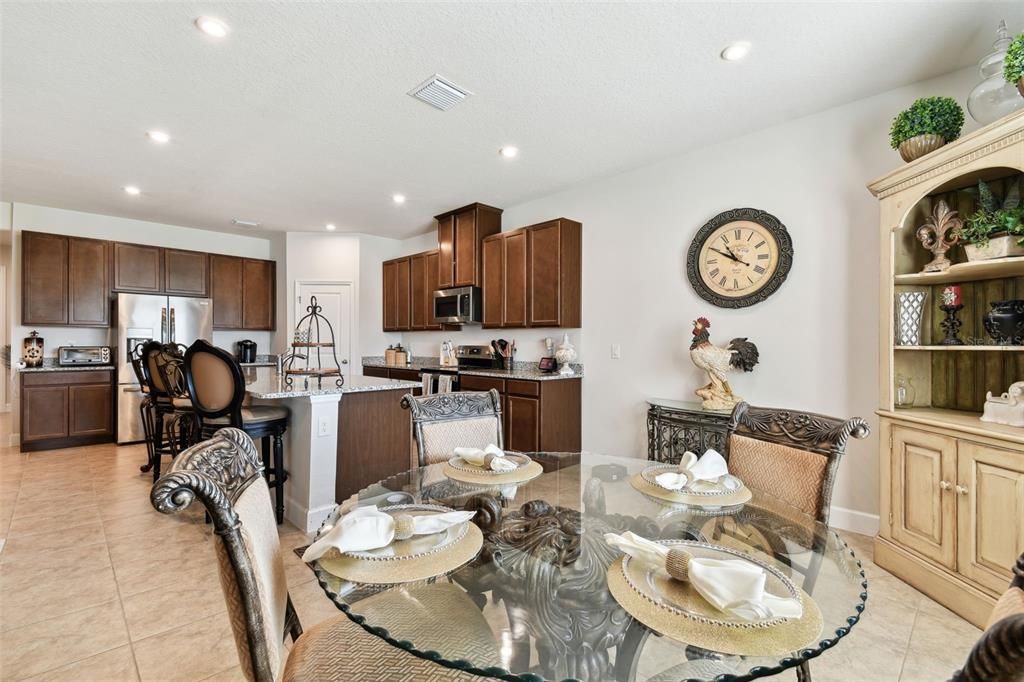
[677,563]
[404,526]
[488,458]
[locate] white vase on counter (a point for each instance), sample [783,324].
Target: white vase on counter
[565,355]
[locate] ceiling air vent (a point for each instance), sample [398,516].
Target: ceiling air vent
[439,93]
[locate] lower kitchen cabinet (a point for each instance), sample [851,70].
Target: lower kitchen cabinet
[66,409]
[538,416]
[523,423]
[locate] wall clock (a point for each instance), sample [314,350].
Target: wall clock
[739,258]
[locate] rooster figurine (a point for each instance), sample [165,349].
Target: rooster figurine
[741,354]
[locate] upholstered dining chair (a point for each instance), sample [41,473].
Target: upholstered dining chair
[217,387]
[445,421]
[171,424]
[224,472]
[999,653]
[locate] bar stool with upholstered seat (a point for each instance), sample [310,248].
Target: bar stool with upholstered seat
[217,387]
[171,420]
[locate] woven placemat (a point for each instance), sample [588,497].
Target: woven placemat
[740,496]
[520,475]
[775,640]
[405,570]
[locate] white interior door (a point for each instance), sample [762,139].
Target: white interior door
[335,301]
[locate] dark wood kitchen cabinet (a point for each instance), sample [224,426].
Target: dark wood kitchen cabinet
[423,273]
[259,294]
[66,409]
[504,278]
[44,278]
[186,273]
[226,282]
[398,295]
[554,274]
[138,268]
[460,235]
[64,280]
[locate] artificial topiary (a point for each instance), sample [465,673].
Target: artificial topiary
[1013,62]
[928,116]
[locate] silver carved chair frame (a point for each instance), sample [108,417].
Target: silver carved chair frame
[443,421]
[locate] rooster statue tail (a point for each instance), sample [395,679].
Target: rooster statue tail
[744,354]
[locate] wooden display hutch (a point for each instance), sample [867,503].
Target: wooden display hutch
[952,486]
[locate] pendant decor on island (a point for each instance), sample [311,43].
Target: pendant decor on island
[310,345]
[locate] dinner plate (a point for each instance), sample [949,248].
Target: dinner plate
[418,545]
[683,600]
[520,461]
[725,485]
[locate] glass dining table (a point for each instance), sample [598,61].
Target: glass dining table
[535,603]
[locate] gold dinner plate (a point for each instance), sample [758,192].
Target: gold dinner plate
[488,478]
[731,499]
[418,545]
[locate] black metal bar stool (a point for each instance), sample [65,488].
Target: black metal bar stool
[168,419]
[217,387]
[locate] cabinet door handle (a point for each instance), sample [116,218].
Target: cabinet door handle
[961,490]
[945,485]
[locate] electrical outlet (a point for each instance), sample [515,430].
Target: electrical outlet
[323,427]
[616,351]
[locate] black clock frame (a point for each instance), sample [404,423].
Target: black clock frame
[754,215]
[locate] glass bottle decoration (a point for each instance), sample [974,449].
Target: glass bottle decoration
[904,392]
[993,97]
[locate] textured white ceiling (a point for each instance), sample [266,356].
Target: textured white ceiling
[300,116]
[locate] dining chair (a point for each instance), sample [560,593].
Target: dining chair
[217,386]
[225,473]
[999,653]
[171,419]
[445,421]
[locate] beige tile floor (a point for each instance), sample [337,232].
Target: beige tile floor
[96,585]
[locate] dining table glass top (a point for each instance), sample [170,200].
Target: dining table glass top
[535,603]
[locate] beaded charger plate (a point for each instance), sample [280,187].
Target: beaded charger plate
[717,500]
[676,610]
[527,470]
[418,558]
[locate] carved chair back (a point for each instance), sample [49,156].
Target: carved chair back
[446,421]
[790,454]
[215,382]
[162,365]
[999,653]
[138,365]
[225,473]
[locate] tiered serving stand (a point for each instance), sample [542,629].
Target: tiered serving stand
[307,337]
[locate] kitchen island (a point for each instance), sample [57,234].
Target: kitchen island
[339,439]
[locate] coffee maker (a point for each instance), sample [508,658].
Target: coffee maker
[246,351]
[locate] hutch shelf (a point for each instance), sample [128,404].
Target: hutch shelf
[952,486]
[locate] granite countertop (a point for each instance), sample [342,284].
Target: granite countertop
[521,369]
[266,384]
[58,368]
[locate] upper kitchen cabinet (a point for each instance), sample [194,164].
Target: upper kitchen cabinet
[243,292]
[226,291]
[44,278]
[398,295]
[460,234]
[138,268]
[186,273]
[423,274]
[554,274]
[65,280]
[504,279]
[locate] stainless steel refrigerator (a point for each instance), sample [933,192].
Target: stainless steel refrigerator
[147,317]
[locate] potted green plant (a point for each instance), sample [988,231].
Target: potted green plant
[996,228]
[1013,63]
[929,123]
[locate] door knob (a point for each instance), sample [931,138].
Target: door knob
[961,490]
[945,485]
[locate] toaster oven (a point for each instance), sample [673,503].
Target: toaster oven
[70,356]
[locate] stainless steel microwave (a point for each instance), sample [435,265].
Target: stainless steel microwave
[458,306]
[69,356]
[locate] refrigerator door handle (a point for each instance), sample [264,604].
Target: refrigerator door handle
[163,325]
[172,338]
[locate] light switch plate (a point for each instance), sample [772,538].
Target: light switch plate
[323,427]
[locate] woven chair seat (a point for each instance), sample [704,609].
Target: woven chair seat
[339,649]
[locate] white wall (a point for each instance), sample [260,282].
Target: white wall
[79,224]
[817,334]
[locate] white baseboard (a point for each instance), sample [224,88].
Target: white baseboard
[854,521]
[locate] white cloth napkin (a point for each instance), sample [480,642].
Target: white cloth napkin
[369,528]
[478,458]
[697,474]
[733,586]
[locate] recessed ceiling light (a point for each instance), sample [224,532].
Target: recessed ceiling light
[158,136]
[132,189]
[509,152]
[212,26]
[330,227]
[736,51]
[398,198]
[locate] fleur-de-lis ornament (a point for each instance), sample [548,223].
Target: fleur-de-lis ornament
[939,235]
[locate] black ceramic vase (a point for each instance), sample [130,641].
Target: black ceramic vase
[1005,322]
